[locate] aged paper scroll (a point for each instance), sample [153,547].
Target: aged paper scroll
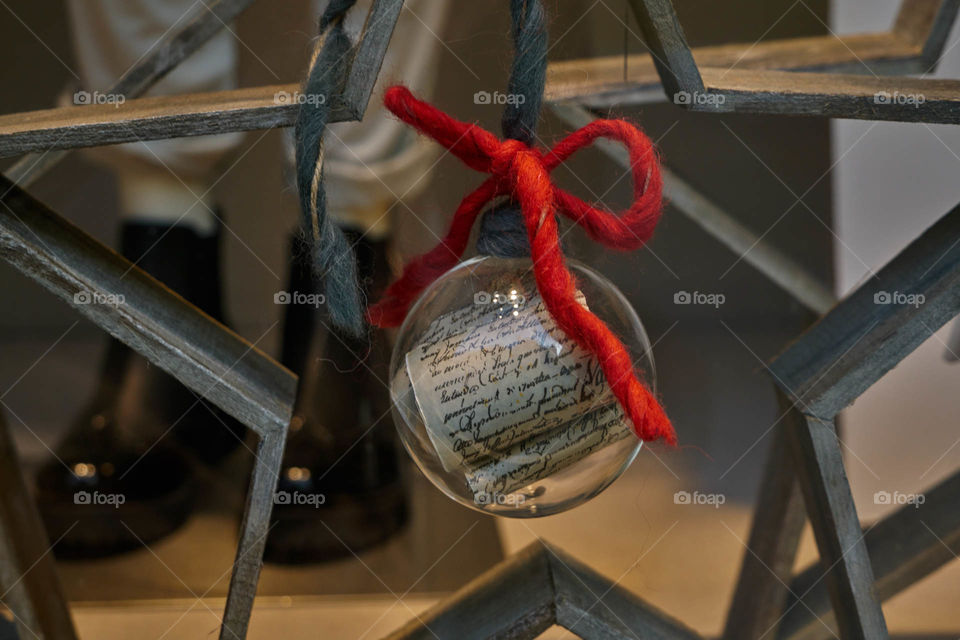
[545,454]
[498,383]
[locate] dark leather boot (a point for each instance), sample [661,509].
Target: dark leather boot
[340,489]
[123,475]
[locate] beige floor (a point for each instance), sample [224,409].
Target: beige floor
[681,558]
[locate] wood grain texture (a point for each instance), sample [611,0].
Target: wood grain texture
[778,521]
[152,119]
[909,544]
[194,114]
[668,46]
[926,24]
[745,78]
[595,608]
[369,52]
[844,560]
[534,589]
[28,577]
[266,107]
[513,600]
[902,99]
[599,82]
[867,333]
[253,536]
[164,56]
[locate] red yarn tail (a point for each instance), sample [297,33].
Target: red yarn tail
[558,289]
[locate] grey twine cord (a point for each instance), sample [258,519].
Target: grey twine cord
[502,231]
[332,258]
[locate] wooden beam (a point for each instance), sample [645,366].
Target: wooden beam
[926,24]
[668,46]
[598,83]
[157,63]
[593,607]
[171,333]
[514,599]
[369,53]
[28,578]
[905,547]
[152,119]
[778,520]
[876,326]
[902,99]
[912,47]
[818,458]
[253,535]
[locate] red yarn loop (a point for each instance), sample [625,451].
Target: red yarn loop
[523,173]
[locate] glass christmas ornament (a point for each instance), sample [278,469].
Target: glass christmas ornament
[499,408]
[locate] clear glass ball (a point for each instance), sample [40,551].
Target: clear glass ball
[498,407]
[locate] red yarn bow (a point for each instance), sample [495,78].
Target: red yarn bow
[522,172]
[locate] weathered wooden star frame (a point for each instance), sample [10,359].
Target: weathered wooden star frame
[852,345]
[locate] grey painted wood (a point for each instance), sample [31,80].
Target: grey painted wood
[196,114]
[598,83]
[28,577]
[593,607]
[513,600]
[206,22]
[909,544]
[833,516]
[174,335]
[152,119]
[778,521]
[831,95]
[755,81]
[370,50]
[772,263]
[668,46]
[534,589]
[926,24]
[863,337]
[253,535]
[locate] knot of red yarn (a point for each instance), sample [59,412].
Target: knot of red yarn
[503,157]
[523,173]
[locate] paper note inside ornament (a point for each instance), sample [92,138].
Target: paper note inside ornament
[547,453]
[506,396]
